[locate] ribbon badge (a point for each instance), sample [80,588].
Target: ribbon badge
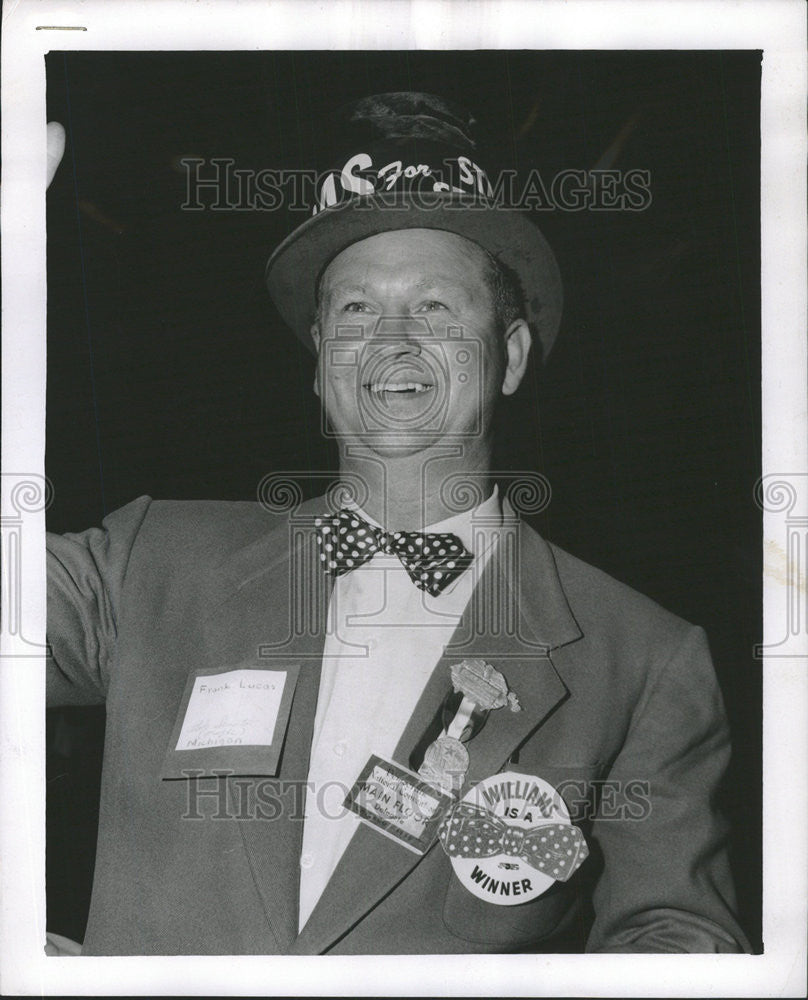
[484,689]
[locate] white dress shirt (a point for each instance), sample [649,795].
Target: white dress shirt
[383,640]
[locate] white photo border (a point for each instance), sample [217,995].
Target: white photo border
[32,28]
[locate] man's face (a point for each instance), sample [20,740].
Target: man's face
[409,350]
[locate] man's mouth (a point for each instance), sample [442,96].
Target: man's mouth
[398,387]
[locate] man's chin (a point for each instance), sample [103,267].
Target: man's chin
[396,443]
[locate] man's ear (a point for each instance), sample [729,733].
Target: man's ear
[315,336]
[517,349]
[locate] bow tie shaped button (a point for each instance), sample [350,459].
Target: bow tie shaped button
[432,561]
[556,849]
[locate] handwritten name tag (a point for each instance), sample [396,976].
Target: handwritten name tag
[233,709]
[231,720]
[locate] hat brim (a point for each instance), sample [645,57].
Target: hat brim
[295,266]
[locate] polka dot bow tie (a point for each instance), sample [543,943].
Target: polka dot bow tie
[557,849]
[432,560]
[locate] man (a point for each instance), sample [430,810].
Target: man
[393,719]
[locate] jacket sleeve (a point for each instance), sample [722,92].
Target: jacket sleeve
[666,884]
[86,574]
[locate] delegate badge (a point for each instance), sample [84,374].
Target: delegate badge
[510,837]
[397,803]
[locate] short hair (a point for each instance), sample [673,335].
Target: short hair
[509,299]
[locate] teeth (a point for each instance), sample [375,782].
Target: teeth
[399,387]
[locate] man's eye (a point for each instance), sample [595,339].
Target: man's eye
[433,305]
[353,307]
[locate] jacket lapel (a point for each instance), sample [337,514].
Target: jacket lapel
[517,614]
[268,607]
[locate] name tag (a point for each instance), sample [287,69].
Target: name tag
[398,804]
[233,721]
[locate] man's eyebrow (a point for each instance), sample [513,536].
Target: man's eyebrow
[438,283]
[442,284]
[346,289]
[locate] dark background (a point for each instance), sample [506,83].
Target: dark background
[169,372]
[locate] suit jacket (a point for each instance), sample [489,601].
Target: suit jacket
[621,713]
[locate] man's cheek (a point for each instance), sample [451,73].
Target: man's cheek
[340,390]
[345,381]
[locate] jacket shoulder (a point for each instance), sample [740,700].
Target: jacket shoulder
[188,530]
[243,516]
[602,603]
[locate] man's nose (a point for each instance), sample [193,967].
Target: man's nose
[402,332]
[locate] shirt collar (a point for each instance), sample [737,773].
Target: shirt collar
[471,526]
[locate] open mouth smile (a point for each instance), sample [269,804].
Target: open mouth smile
[398,387]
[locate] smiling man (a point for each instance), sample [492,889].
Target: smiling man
[417,310]
[393,719]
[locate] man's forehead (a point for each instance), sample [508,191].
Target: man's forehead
[334,285]
[416,258]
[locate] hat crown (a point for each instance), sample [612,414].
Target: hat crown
[401,144]
[406,115]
